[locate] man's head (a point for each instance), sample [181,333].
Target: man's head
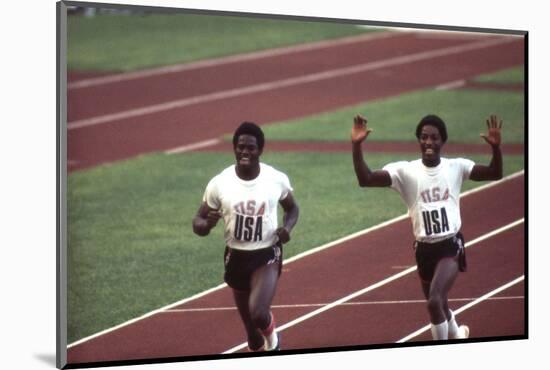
[248,144]
[432,120]
[431,134]
[252,129]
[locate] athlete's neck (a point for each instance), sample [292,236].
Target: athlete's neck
[247,173]
[431,162]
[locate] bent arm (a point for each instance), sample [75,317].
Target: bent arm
[491,172]
[205,219]
[365,176]
[290,217]
[493,137]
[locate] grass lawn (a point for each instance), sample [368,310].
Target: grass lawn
[131,248]
[506,76]
[130,42]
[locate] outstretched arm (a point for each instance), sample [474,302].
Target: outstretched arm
[365,176]
[205,219]
[493,137]
[290,217]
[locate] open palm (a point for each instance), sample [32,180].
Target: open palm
[359,131]
[494,127]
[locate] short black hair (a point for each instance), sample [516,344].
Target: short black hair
[432,120]
[249,128]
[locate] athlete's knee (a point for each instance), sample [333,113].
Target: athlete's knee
[261,319]
[260,316]
[436,302]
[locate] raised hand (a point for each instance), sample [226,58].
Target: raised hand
[359,131]
[494,127]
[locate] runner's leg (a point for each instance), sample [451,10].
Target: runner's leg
[444,277]
[263,286]
[255,339]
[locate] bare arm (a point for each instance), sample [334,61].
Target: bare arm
[365,176]
[205,219]
[493,137]
[290,217]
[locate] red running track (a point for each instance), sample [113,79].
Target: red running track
[209,325]
[118,120]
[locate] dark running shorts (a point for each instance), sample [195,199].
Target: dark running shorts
[239,264]
[429,254]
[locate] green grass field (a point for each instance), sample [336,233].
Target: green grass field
[507,76]
[131,248]
[129,42]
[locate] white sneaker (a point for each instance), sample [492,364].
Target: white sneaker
[273,343]
[463,332]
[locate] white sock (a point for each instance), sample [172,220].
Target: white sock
[271,341]
[440,331]
[270,335]
[453,327]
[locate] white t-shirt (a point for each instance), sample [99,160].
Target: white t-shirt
[431,195]
[249,208]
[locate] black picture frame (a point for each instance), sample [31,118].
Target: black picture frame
[62,173]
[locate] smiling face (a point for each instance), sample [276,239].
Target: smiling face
[247,155]
[430,145]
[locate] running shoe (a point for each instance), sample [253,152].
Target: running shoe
[463,332]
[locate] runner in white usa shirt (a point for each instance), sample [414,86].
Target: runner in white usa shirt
[249,208]
[247,195]
[430,187]
[431,195]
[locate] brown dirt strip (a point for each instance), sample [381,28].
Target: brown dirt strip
[125,138]
[369,147]
[333,273]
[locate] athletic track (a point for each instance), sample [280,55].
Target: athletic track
[361,290]
[180,108]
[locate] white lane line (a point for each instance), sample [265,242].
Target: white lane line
[360,303]
[451,85]
[144,316]
[451,35]
[289,260]
[303,79]
[465,307]
[371,287]
[194,146]
[95,81]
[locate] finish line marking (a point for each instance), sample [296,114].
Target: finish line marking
[361,303]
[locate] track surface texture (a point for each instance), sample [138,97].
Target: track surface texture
[117,117]
[362,290]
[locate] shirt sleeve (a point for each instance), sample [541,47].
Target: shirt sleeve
[465,166]
[395,170]
[211,194]
[285,186]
